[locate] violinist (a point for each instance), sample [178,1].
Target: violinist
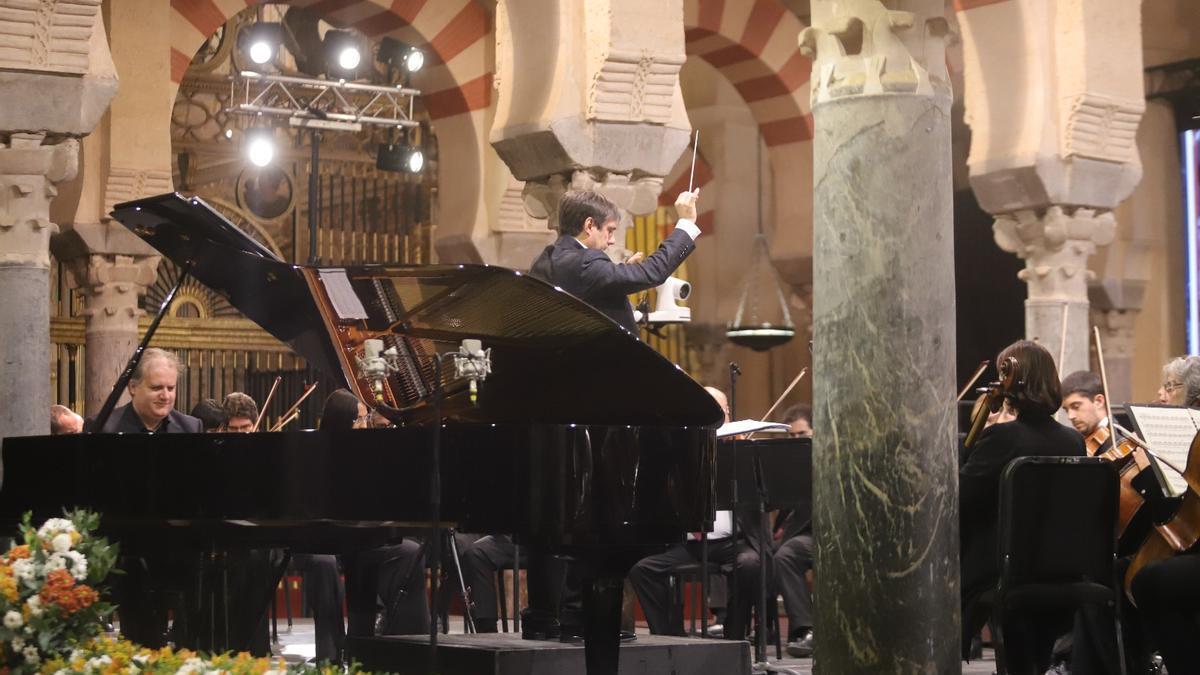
[1085,405]
[1022,426]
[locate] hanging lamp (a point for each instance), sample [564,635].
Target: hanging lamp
[762,320]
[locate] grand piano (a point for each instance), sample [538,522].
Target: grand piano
[582,441]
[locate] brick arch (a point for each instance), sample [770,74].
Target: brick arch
[754,45]
[456,36]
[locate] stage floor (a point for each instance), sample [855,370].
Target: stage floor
[297,645]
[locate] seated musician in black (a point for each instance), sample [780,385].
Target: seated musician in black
[794,556]
[650,577]
[142,591]
[385,587]
[1023,427]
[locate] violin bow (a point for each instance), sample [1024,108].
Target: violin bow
[1112,426]
[294,411]
[787,391]
[263,411]
[983,365]
[1133,438]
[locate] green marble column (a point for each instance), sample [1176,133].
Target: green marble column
[885,464]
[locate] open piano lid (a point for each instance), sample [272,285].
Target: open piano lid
[555,358]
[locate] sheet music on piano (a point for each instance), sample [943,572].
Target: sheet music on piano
[1169,430]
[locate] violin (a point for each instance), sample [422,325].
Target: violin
[1177,532]
[992,399]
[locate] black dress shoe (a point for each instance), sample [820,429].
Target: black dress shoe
[574,635]
[539,626]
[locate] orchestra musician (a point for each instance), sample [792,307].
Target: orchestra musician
[1024,426]
[1085,405]
[1181,382]
[794,555]
[576,262]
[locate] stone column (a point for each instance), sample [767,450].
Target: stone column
[885,458]
[626,130]
[1054,95]
[57,79]
[111,285]
[29,171]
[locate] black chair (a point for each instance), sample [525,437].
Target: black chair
[1057,541]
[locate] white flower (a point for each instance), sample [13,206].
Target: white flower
[75,655]
[96,663]
[54,526]
[61,543]
[56,561]
[79,564]
[35,605]
[24,569]
[18,644]
[31,655]
[12,620]
[142,659]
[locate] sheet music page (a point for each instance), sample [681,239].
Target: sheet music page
[1169,431]
[341,294]
[748,426]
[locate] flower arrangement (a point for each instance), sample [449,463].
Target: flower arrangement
[50,590]
[108,656]
[52,607]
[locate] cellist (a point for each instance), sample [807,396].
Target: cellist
[1023,426]
[1086,408]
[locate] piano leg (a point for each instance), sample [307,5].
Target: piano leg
[602,623]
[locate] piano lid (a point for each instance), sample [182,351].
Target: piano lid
[554,356]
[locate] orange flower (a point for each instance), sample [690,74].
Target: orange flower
[61,590]
[18,552]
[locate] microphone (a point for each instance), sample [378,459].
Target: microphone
[473,362]
[375,365]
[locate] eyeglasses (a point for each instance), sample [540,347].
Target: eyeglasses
[1170,385]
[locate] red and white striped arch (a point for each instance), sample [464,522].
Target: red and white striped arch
[456,36]
[676,182]
[754,44]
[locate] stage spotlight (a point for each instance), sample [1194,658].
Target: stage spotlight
[343,52]
[260,147]
[400,54]
[261,41]
[399,157]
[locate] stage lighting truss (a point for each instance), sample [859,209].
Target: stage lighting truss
[323,104]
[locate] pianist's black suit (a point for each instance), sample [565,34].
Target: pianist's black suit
[979,491]
[124,420]
[593,277]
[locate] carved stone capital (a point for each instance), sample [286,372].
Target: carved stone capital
[863,48]
[127,183]
[29,172]
[1055,245]
[112,286]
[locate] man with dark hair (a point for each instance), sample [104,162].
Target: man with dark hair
[241,412]
[1086,408]
[63,420]
[151,407]
[799,420]
[210,414]
[576,263]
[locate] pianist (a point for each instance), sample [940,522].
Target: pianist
[151,407]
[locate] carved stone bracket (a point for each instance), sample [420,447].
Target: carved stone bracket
[634,195]
[863,48]
[634,86]
[127,183]
[47,34]
[1055,245]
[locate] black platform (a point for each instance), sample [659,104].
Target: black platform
[508,654]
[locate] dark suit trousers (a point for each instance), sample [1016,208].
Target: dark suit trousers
[480,563]
[389,579]
[792,560]
[650,578]
[325,594]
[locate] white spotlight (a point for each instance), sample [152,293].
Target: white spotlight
[348,58]
[416,160]
[261,52]
[261,150]
[415,60]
